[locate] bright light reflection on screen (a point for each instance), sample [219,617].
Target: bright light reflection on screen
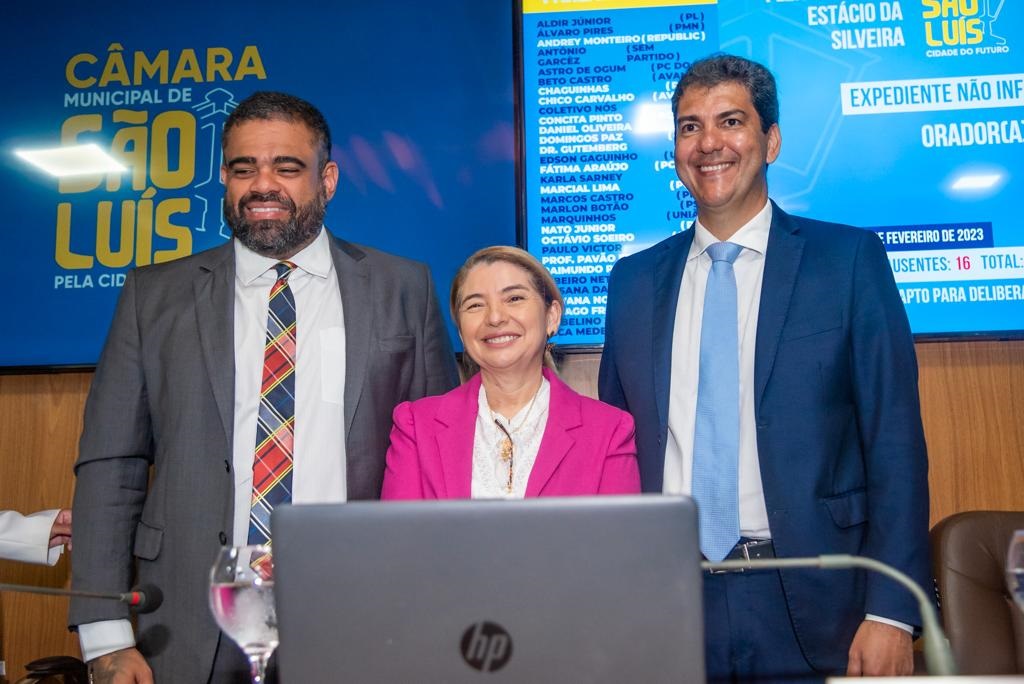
[652,118]
[976,182]
[72,160]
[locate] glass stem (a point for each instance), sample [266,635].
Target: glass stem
[258,668]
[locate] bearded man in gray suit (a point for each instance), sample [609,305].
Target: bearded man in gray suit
[165,466]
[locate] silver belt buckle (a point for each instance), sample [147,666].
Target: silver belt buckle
[754,544]
[744,549]
[746,555]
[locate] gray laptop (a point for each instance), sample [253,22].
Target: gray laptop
[595,589]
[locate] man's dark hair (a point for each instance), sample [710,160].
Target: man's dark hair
[266,105]
[717,69]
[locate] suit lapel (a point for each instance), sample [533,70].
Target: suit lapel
[563,415]
[668,275]
[456,418]
[782,263]
[214,294]
[354,281]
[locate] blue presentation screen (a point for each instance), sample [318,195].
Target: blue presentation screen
[419,97]
[902,117]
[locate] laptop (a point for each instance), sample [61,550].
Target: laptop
[583,589]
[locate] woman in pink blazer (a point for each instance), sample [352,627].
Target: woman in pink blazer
[514,429]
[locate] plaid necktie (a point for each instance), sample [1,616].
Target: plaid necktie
[717,430]
[275,427]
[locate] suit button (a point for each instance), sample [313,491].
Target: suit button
[227,466]
[223,539]
[762,424]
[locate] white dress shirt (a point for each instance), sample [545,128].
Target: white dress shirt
[682,404]
[318,471]
[490,473]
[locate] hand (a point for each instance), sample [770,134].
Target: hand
[60,533]
[126,666]
[879,649]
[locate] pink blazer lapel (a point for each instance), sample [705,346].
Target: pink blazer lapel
[456,427]
[563,415]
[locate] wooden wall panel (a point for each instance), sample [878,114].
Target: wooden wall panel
[972,402]
[40,420]
[972,396]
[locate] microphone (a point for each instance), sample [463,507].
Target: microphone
[937,655]
[144,598]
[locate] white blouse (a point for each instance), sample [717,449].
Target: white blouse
[490,471]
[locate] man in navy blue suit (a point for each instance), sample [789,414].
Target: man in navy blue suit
[830,454]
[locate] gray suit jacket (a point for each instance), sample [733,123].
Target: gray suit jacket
[154,492]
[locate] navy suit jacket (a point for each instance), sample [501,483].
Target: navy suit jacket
[839,436]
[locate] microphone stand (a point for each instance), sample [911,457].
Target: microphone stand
[937,655]
[141,599]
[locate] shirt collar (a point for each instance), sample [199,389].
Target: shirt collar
[540,399]
[314,259]
[753,235]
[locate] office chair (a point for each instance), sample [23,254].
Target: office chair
[984,626]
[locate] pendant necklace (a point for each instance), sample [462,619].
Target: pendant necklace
[505,446]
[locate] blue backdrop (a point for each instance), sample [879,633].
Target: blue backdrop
[905,117]
[419,97]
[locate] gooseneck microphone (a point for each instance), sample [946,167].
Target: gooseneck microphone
[937,655]
[144,598]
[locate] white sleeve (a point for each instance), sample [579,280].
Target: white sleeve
[895,623]
[103,637]
[27,537]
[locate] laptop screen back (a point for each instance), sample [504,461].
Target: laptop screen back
[594,589]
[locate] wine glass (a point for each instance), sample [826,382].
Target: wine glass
[242,602]
[1015,568]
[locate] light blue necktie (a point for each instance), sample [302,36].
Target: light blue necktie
[717,430]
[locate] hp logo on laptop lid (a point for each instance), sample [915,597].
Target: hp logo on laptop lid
[486,646]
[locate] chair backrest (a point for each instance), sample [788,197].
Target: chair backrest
[985,627]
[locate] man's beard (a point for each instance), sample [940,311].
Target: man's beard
[271,237]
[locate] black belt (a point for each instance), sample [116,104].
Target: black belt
[752,549]
[747,550]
